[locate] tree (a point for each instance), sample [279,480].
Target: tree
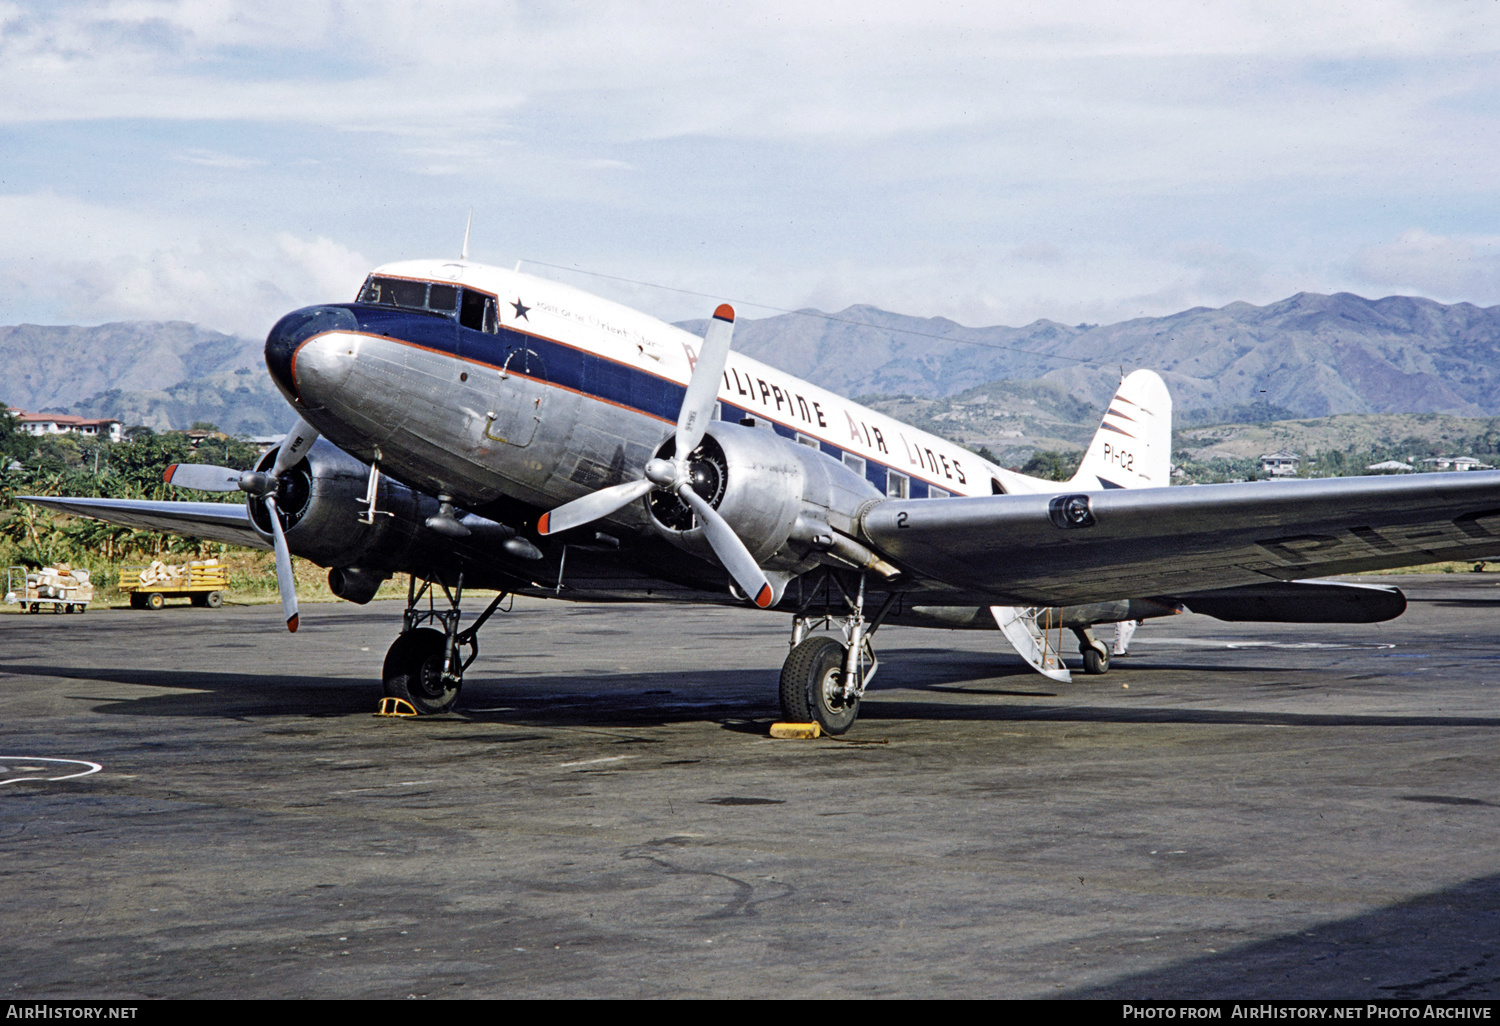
[16,446]
[1053,465]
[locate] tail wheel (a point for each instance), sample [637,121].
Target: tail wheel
[812,680]
[414,671]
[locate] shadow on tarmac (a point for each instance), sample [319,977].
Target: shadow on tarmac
[662,697]
[1386,954]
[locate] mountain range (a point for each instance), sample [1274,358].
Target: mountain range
[1306,356]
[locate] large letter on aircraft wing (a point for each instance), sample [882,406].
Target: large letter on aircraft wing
[1098,546]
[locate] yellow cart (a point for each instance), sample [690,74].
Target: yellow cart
[203,582]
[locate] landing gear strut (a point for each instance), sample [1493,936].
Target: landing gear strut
[425,666]
[823,681]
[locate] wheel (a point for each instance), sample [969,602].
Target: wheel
[811,684]
[82,607]
[1095,661]
[214,599]
[68,608]
[57,607]
[155,600]
[414,671]
[36,607]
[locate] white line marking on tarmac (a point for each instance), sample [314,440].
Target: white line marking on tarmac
[593,762]
[91,767]
[377,787]
[1212,643]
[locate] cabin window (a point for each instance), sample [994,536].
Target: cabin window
[937,493]
[855,463]
[808,440]
[896,485]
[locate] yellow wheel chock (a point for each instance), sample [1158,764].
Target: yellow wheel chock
[396,707]
[796,731]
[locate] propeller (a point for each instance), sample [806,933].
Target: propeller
[675,475]
[262,485]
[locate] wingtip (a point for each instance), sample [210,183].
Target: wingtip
[291,624]
[167,477]
[725,312]
[544,525]
[763,597]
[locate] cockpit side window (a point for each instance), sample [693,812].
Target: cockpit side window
[478,312]
[442,298]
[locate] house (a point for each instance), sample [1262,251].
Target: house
[1454,463]
[64,423]
[1280,463]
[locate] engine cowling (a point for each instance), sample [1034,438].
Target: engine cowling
[776,494]
[322,499]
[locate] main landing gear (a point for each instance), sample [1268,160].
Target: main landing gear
[425,665]
[822,681]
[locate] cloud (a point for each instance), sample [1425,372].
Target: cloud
[73,262]
[1444,267]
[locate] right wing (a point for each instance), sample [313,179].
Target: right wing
[1071,549]
[213,521]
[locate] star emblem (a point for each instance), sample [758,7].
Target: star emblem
[521,308]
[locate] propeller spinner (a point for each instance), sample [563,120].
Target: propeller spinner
[675,475]
[262,485]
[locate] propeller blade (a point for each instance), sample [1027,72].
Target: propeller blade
[285,582]
[591,507]
[203,478]
[294,447]
[703,387]
[730,550]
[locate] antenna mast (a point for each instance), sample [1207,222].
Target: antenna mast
[464,254]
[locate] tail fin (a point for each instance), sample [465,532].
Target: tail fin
[1133,446]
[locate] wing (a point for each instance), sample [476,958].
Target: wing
[214,521]
[1098,546]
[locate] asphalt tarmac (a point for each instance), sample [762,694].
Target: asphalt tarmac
[1235,810]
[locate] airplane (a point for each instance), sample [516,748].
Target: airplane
[476,427]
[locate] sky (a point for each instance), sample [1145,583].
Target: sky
[224,162]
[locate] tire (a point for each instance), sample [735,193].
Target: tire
[33,607]
[57,607]
[214,599]
[811,678]
[1094,661]
[413,671]
[155,600]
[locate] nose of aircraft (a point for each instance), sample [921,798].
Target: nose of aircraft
[292,331]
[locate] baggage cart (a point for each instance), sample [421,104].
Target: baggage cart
[202,581]
[59,588]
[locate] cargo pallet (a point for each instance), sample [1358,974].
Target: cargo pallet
[204,584]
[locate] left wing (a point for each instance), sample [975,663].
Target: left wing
[1097,546]
[214,521]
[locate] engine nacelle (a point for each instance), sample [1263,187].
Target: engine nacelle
[768,488]
[321,500]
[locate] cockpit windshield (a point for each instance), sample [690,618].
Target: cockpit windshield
[477,311]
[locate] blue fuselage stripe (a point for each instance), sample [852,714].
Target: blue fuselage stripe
[576,369]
